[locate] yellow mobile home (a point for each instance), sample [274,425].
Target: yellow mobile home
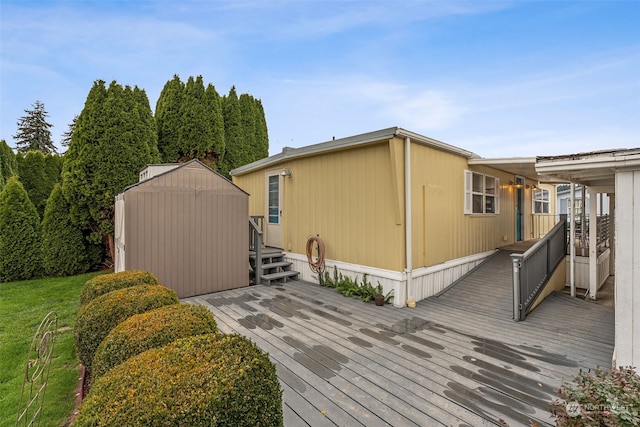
[413,213]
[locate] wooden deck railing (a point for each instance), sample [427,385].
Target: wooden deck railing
[532,269]
[255,243]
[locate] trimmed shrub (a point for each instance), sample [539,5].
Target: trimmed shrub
[207,380]
[63,249]
[98,317]
[599,398]
[106,283]
[149,330]
[20,233]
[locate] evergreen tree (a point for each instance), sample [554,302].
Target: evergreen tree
[38,174]
[33,131]
[249,121]
[66,136]
[8,162]
[20,251]
[262,133]
[214,105]
[195,135]
[148,123]
[168,119]
[233,134]
[108,148]
[63,245]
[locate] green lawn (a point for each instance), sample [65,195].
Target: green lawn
[23,305]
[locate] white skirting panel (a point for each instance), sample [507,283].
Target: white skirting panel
[582,269]
[426,281]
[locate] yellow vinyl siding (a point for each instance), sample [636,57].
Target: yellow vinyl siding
[354,200]
[347,197]
[441,230]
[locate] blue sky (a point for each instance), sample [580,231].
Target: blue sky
[501,79]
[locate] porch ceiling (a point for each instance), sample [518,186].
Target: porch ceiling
[521,166]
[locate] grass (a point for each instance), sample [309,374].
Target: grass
[23,305]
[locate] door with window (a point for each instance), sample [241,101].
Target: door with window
[274,210]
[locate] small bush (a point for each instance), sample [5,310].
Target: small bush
[152,329]
[600,398]
[106,283]
[98,317]
[208,380]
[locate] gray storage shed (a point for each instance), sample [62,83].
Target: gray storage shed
[187,225]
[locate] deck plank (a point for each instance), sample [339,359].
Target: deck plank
[457,359]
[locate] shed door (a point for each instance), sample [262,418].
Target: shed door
[274,210]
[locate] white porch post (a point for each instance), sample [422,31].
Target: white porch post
[572,241]
[627,279]
[593,243]
[612,233]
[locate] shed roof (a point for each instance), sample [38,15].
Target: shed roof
[179,167]
[289,153]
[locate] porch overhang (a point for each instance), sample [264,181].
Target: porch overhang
[595,169]
[520,166]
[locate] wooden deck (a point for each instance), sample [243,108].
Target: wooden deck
[455,360]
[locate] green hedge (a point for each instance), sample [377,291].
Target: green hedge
[106,283]
[148,330]
[98,317]
[207,380]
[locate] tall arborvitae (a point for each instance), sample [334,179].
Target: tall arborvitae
[33,131]
[8,162]
[214,105]
[262,133]
[108,148]
[63,246]
[20,254]
[38,174]
[233,135]
[249,121]
[143,110]
[195,134]
[168,119]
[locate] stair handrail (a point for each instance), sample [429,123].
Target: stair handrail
[532,269]
[255,244]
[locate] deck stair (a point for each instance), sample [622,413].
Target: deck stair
[274,267]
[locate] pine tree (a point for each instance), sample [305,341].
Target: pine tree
[63,245]
[33,131]
[108,148]
[38,174]
[233,135]
[66,136]
[20,250]
[8,162]
[168,119]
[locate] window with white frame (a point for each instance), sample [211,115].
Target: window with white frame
[541,201]
[481,195]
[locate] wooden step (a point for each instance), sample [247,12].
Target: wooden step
[280,264]
[282,275]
